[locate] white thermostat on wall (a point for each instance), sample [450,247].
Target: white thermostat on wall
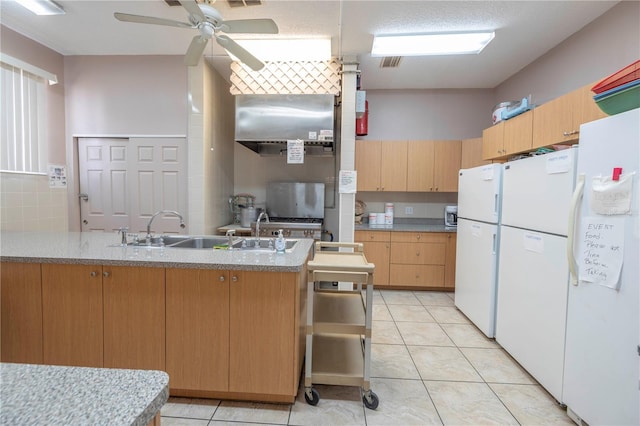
[313,136]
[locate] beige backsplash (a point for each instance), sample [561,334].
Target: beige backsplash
[425,205]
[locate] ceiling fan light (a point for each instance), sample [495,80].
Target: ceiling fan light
[42,7]
[460,43]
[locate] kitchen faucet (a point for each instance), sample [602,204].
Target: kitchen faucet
[264,213]
[171,212]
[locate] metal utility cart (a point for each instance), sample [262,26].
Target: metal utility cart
[339,321]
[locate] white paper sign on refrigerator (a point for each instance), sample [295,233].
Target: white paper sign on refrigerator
[601,250]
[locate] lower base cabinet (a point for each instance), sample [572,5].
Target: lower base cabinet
[235,334]
[218,333]
[198,329]
[134,317]
[72,315]
[406,260]
[21,310]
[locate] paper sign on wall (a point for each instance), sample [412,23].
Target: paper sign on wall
[601,250]
[348,181]
[295,152]
[611,197]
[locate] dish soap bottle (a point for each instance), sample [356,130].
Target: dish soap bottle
[280,242]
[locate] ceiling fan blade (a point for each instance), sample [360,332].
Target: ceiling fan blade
[192,7]
[125,17]
[240,52]
[250,26]
[195,51]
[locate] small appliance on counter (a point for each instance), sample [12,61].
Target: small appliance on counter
[451,216]
[243,209]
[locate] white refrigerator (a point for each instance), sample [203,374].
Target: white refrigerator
[479,197]
[601,378]
[533,275]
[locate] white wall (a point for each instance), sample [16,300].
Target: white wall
[601,48]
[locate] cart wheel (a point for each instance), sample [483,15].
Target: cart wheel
[370,400]
[312,396]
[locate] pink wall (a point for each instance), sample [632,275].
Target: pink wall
[27,50]
[126,95]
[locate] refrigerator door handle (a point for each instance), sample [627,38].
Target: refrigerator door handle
[575,201]
[495,241]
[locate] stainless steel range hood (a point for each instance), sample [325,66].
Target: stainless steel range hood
[264,123]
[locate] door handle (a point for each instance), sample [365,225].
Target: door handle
[83,196]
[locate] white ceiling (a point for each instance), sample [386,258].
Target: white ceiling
[525,30]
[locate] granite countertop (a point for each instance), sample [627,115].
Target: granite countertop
[56,395]
[409,225]
[103,248]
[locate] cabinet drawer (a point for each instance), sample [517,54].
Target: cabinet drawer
[418,237]
[418,253]
[417,275]
[364,236]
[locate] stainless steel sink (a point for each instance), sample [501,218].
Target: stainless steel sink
[262,245]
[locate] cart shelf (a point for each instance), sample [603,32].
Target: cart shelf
[339,322]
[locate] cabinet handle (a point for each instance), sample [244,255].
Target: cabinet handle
[93,273]
[418,237]
[221,278]
[234,279]
[571,133]
[417,253]
[436,188]
[105,274]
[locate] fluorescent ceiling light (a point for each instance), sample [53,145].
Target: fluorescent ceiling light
[42,7]
[431,44]
[272,50]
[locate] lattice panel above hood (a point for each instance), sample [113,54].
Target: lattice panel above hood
[303,78]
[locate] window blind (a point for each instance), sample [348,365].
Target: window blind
[23,145]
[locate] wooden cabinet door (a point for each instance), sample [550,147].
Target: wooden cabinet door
[518,133]
[377,252]
[72,315]
[418,253]
[586,109]
[493,141]
[450,261]
[198,329]
[552,123]
[368,160]
[420,159]
[393,166]
[417,275]
[471,153]
[21,299]
[262,332]
[134,317]
[446,165]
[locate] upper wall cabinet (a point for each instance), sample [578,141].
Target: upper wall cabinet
[471,153]
[432,166]
[559,120]
[381,165]
[508,137]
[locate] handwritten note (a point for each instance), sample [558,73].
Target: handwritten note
[348,182]
[295,152]
[601,251]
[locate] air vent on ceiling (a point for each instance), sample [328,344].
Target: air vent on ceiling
[172,2]
[243,3]
[390,62]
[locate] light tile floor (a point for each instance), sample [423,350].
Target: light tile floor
[429,366]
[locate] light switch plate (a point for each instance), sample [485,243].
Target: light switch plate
[408,210]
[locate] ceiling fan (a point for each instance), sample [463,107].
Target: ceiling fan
[210,23]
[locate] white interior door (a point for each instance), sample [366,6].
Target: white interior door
[103,183]
[124,181]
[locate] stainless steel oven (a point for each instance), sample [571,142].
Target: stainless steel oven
[295,207]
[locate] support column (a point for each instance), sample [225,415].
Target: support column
[348,146]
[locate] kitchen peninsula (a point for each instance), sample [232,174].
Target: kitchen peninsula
[222,323]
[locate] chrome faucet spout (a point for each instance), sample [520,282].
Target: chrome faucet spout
[163,212]
[260,216]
